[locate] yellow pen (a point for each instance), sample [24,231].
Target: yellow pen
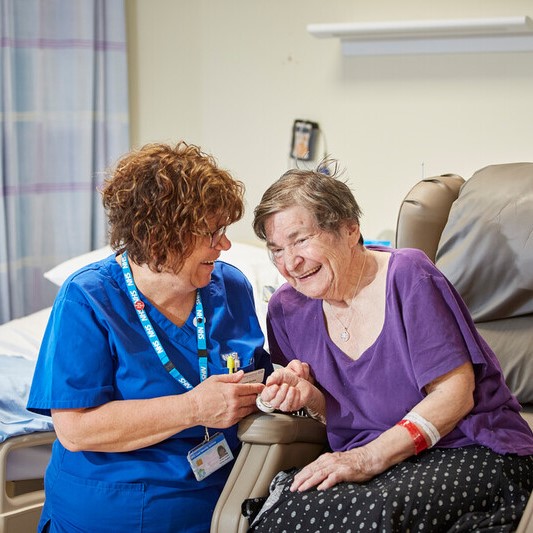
[230,364]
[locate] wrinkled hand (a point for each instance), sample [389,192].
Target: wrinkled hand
[221,401]
[285,389]
[332,468]
[301,369]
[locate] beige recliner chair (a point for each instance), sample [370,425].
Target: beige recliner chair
[480,234]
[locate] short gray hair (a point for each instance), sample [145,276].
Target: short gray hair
[320,191]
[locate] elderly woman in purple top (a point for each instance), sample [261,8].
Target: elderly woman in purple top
[376,343]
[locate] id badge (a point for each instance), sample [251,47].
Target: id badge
[209,456]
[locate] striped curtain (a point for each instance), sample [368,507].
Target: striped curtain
[64,119]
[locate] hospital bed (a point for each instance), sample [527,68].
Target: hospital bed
[26,438]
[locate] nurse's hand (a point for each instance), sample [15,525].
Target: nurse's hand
[221,401]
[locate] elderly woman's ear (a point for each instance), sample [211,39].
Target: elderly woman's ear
[353,231]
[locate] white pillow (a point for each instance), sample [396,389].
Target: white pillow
[61,272]
[255,264]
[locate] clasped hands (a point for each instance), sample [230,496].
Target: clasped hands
[292,388]
[289,388]
[218,403]
[221,400]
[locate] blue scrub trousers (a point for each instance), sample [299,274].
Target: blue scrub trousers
[88,506]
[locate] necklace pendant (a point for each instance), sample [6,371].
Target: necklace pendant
[345,336]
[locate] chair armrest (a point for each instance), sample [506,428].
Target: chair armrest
[270,443]
[279,428]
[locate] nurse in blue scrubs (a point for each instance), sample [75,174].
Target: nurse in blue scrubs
[143,359]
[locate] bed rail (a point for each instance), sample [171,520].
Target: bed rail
[21,501]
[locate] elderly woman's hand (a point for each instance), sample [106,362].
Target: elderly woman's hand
[221,401]
[290,388]
[332,468]
[301,369]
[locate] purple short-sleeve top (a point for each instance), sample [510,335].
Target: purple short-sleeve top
[427,332]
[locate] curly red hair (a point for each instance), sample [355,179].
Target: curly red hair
[160,199]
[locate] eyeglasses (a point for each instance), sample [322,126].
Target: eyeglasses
[277,254]
[216,236]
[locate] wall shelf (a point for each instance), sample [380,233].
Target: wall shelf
[505,34]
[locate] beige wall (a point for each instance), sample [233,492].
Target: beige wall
[232,75]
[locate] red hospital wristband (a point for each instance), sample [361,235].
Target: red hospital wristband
[417,436]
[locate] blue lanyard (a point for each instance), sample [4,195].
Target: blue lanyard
[201,337]
[152,335]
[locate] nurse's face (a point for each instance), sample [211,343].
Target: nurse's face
[197,268]
[315,262]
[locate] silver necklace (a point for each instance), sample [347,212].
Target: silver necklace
[345,334]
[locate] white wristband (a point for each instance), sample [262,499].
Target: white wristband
[426,425]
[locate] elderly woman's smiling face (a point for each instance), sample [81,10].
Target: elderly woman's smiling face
[315,262]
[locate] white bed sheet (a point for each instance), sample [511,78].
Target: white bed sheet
[16,375]
[23,336]
[19,346]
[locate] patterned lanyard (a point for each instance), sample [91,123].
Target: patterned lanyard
[152,335]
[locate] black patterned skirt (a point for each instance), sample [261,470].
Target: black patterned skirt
[440,490]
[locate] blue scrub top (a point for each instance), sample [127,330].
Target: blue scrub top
[95,351]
